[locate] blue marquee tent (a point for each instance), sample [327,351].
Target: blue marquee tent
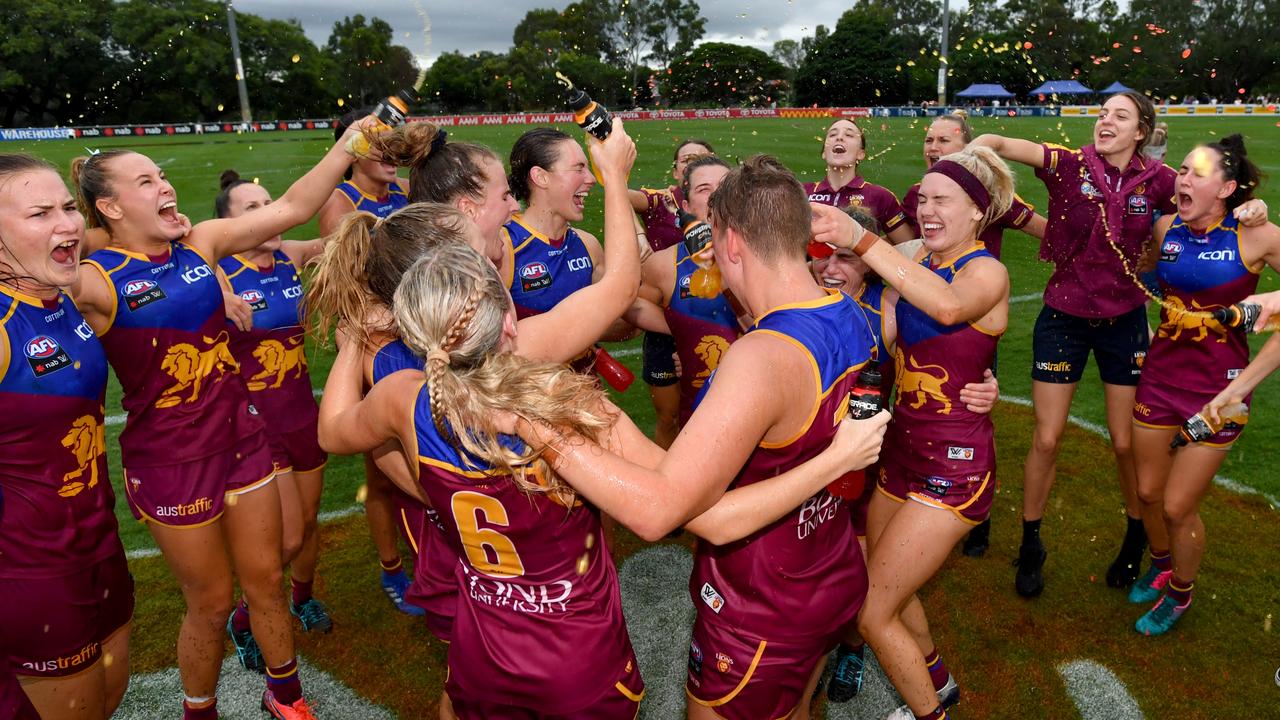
[981,90]
[1061,87]
[1115,87]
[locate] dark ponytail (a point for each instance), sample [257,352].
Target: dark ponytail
[537,148]
[228,181]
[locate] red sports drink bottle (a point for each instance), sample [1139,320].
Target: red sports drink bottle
[865,400]
[613,372]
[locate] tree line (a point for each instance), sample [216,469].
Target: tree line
[103,61]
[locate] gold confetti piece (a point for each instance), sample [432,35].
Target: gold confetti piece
[591,541]
[341,102]
[1201,162]
[583,564]
[219,107]
[361,493]
[296,57]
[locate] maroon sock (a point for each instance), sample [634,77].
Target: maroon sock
[240,617]
[938,713]
[301,590]
[1179,591]
[937,669]
[283,682]
[393,567]
[1161,560]
[204,712]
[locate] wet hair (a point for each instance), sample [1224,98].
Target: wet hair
[1146,115]
[1159,142]
[764,202]
[990,170]
[675,155]
[861,133]
[537,148]
[1236,165]
[11,165]
[228,181]
[440,171]
[347,120]
[450,309]
[961,119]
[701,162]
[364,261]
[92,180]
[862,215]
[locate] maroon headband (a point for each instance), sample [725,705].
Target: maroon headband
[966,180]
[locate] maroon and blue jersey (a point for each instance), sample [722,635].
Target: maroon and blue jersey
[1089,278]
[992,236]
[932,431]
[378,206]
[539,616]
[660,224]
[879,201]
[802,577]
[273,360]
[57,515]
[1199,272]
[168,341]
[702,328]
[546,270]
[871,300]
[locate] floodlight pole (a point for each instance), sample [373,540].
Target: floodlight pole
[245,115]
[942,54]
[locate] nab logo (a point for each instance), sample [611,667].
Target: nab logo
[534,276]
[196,274]
[1219,255]
[140,293]
[134,288]
[1170,251]
[41,347]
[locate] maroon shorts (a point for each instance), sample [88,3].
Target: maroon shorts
[298,450]
[14,704]
[435,585]
[747,678]
[195,493]
[620,702]
[55,627]
[858,507]
[969,494]
[1164,407]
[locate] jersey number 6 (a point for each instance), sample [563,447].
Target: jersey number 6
[488,550]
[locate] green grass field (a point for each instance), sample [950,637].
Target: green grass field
[1217,664]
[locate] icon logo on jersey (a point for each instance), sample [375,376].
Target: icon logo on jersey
[709,349]
[937,486]
[45,355]
[257,301]
[959,453]
[140,293]
[189,367]
[196,274]
[723,662]
[921,380]
[711,597]
[292,292]
[1089,190]
[277,360]
[582,263]
[1138,205]
[87,441]
[695,658]
[1170,250]
[534,276]
[1226,255]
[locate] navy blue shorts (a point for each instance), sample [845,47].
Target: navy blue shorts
[1061,345]
[659,360]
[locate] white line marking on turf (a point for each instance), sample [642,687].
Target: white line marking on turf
[1097,693]
[1025,298]
[1221,481]
[115,419]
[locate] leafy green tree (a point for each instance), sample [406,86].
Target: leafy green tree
[367,63]
[723,74]
[286,74]
[858,63]
[53,60]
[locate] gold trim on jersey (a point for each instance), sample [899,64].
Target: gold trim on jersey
[746,677]
[114,293]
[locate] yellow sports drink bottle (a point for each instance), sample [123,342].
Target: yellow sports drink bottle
[1243,316]
[391,112]
[1200,428]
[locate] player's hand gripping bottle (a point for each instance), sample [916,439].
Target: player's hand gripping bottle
[865,400]
[1200,428]
[391,112]
[1243,316]
[705,281]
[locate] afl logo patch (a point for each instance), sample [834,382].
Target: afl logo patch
[534,276]
[1170,250]
[140,293]
[1138,205]
[257,301]
[45,355]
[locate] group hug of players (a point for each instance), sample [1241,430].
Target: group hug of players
[466,328]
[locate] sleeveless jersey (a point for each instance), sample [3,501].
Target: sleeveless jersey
[546,271]
[379,206]
[702,329]
[802,577]
[932,432]
[539,615]
[1197,273]
[871,300]
[272,358]
[168,342]
[394,357]
[57,517]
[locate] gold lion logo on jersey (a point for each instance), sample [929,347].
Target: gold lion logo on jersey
[86,440]
[919,380]
[1195,318]
[189,367]
[277,360]
[709,350]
